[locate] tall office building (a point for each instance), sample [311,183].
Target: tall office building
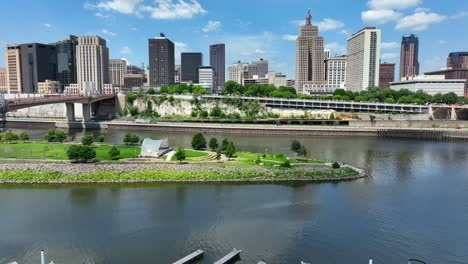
[457,60]
[238,71]
[13,63]
[409,62]
[190,62]
[29,64]
[336,71]
[310,68]
[207,78]
[259,68]
[117,71]
[387,74]
[218,62]
[161,61]
[363,60]
[3,80]
[66,60]
[92,63]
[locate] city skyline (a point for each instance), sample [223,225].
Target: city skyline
[196,25]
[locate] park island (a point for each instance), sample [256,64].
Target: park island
[56,161]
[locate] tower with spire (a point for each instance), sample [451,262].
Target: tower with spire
[310,66]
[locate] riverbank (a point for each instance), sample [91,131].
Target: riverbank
[35,172]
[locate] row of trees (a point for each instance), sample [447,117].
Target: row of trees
[226,147]
[403,96]
[264,90]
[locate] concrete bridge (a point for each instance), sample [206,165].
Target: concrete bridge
[448,112]
[88,102]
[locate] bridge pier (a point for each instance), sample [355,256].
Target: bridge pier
[70,112]
[86,112]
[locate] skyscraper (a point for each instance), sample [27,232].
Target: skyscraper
[336,71]
[310,67]
[66,60]
[36,62]
[92,63]
[161,61]
[259,68]
[207,76]
[218,62]
[363,59]
[387,74]
[190,62]
[457,60]
[117,71]
[409,63]
[13,61]
[3,80]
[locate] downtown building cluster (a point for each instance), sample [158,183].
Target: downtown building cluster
[361,68]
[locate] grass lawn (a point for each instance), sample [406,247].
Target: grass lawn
[57,151]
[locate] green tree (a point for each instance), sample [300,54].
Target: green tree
[180,154]
[224,144]
[100,139]
[336,165]
[87,140]
[218,155]
[55,135]
[9,137]
[286,164]
[151,91]
[204,114]
[302,151]
[80,153]
[131,98]
[114,153]
[216,112]
[23,136]
[131,139]
[295,146]
[198,142]
[213,144]
[231,150]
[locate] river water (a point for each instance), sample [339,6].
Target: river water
[413,205]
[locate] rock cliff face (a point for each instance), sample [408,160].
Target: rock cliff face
[185,107]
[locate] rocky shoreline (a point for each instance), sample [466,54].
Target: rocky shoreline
[119,173]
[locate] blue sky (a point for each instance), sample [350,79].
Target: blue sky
[251,29]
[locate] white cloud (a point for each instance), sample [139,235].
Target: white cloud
[389,45]
[393,4]
[300,22]
[168,9]
[335,48]
[260,51]
[442,42]
[252,46]
[109,33]
[329,24]
[433,64]
[289,37]
[422,9]
[47,25]
[387,56]
[128,7]
[419,21]
[159,9]
[125,50]
[211,26]
[461,14]
[378,17]
[345,32]
[101,15]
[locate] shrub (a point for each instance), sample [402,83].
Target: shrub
[279,156]
[336,165]
[131,139]
[114,153]
[131,98]
[216,112]
[100,139]
[302,151]
[180,154]
[204,114]
[24,136]
[295,146]
[9,137]
[213,144]
[151,90]
[55,135]
[218,155]
[87,140]
[198,142]
[81,153]
[286,164]
[258,160]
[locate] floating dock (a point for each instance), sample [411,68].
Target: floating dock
[235,254]
[190,258]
